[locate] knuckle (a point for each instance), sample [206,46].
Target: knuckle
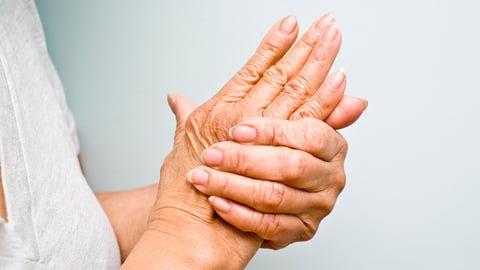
[224,183]
[279,135]
[328,203]
[320,56]
[323,204]
[320,141]
[309,229]
[239,162]
[307,43]
[314,108]
[249,73]
[269,226]
[277,75]
[343,145]
[278,245]
[273,195]
[293,165]
[272,46]
[194,119]
[342,149]
[340,181]
[313,136]
[298,88]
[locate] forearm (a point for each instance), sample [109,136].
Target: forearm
[160,250]
[128,212]
[178,242]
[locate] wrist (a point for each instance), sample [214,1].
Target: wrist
[202,244]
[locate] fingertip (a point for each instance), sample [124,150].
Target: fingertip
[243,133]
[212,157]
[337,80]
[198,176]
[324,20]
[288,25]
[347,112]
[329,17]
[365,103]
[220,204]
[172,103]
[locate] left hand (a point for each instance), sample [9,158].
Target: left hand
[297,190]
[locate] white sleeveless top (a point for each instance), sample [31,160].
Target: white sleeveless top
[54,219]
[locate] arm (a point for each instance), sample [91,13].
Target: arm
[185,229]
[182,230]
[128,213]
[128,210]
[3,208]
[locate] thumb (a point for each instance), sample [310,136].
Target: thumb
[181,106]
[347,112]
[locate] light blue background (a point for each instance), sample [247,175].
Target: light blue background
[411,200]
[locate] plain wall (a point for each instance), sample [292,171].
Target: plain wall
[411,200]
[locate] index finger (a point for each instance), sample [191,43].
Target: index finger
[307,134]
[274,45]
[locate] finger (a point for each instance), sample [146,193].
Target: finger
[261,195]
[310,77]
[279,229]
[273,46]
[275,78]
[306,134]
[181,106]
[295,168]
[324,101]
[347,112]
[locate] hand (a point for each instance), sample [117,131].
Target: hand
[281,184]
[268,85]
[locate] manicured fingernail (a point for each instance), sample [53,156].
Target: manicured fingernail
[220,204]
[197,176]
[243,133]
[330,33]
[365,103]
[337,79]
[212,157]
[288,24]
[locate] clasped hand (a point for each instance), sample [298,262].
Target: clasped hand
[259,148]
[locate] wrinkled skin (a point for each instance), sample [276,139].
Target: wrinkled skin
[292,87]
[281,184]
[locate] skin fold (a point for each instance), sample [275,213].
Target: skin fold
[273,83]
[281,106]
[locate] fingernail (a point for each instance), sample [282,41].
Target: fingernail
[171,102]
[220,204]
[330,33]
[243,133]
[365,103]
[323,21]
[337,79]
[328,18]
[197,176]
[288,24]
[212,157]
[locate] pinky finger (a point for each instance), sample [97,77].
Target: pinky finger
[347,112]
[279,230]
